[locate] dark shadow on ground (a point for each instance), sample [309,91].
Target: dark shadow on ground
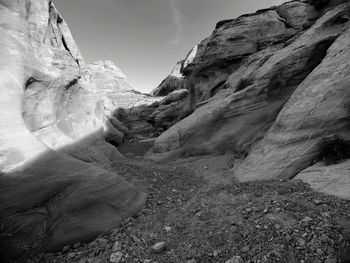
[64,197]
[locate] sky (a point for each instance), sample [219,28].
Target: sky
[145,38]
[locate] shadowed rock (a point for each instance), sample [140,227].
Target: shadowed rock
[318,108]
[56,185]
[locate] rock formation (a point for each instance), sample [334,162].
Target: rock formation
[269,87]
[55,173]
[176,80]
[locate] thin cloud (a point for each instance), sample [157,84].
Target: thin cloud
[177,22]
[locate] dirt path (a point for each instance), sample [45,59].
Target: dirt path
[202,216]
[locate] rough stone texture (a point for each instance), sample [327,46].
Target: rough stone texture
[108,81]
[297,14]
[171,110]
[105,80]
[318,108]
[176,80]
[332,179]
[244,74]
[254,95]
[56,183]
[150,119]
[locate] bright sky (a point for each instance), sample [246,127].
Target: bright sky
[145,38]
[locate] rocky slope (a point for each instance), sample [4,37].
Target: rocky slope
[196,214]
[271,88]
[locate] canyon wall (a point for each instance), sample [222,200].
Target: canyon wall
[272,89]
[57,186]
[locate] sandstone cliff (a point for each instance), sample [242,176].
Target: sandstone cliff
[54,161]
[270,88]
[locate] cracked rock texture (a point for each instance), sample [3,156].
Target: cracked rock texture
[269,87]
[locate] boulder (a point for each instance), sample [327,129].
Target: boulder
[174,96]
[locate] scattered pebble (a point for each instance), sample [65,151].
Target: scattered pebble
[330,260]
[234,259]
[116,247]
[167,228]
[116,257]
[158,247]
[65,249]
[301,242]
[245,249]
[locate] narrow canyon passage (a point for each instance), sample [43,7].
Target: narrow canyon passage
[241,154]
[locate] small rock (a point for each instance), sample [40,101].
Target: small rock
[301,242]
[98,259]
[116,257]
[288,238]
[71,255]
[331,260]
[324,238]
[77,245]
[277,226]
[306,219]
[135,239]
[326,214]
[65,249]
[93,244]
[167,228]
[191,261]
[317,202]
[215,253]
[102,240]
[130,155]
[158,247]
[245,249]
[265,211]
[116,247]
[235,259]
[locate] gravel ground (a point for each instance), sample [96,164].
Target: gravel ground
[188,219]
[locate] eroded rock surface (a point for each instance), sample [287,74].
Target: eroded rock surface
[56,183]
[317,109]
[267,87]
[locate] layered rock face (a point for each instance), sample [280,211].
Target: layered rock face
[56,183]
[268,87]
